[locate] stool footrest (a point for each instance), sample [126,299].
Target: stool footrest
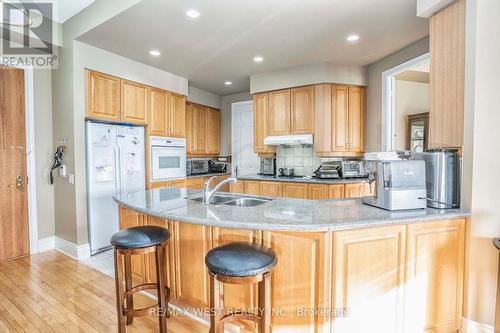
[143,311]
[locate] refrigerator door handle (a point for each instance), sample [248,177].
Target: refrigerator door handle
[118,177]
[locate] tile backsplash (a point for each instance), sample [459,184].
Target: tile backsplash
[303,159]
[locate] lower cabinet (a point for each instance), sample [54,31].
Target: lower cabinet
[317,191]
[271,189]
[238,187]
[359,190]
[252,187]
[169,253]
[336,191]
[295,190]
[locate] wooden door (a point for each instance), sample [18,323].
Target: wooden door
[252,187]
[200,129]
[158,112]
[356,120]
[260,124]
[134,102]
[447,81]
[295,190]
[177,116]
[213,138]
[103,96]
[434,273]
[368,276]
[189,128]
[317,191]
[336,191]
[279,112]
[301,281]
[271,189]
[340,118]
[238,187]
[129,219]
[302,110]
[191,243]
[14,239]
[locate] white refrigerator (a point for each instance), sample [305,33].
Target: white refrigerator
[115,163]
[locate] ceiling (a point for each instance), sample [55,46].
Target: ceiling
[419,73]
[65,9]
[221,43]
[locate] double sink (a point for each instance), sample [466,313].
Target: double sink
[233,200]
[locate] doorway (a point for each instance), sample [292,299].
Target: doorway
[14,225]
[405,105]
[243,157]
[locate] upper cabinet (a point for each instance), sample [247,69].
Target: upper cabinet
[177,115]
[203,130]
[279,112]
[447,52]
[213,139]
[134,102]
[103,96]
[167,114]
[291,111]
[260,121]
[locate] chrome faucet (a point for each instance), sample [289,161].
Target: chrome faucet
[207,193]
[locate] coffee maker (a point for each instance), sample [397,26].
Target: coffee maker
[399,184]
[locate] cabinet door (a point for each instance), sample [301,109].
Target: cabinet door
[301,281]
[271,189]
[340,118]
[134,102]
[169,254]
[260,124]
[189,128]
[194,183]
[191,243]
[279,112]
[213,138]
[358,190]
[317,191]
[368,278]
[158,112]
[356,119]
[295,190]
[129,219]
[238,187]
[200,129]
[336,191]
[434,273]
[177,116]
[252,187]
[103,96]
[302,110]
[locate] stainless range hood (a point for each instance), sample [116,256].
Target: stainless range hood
[289,140]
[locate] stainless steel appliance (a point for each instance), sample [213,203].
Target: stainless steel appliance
[168,158]
[328,170]
[198,166]
[218,167]
[443,171]
[399,184]
[287,172]
[268,166]
[352,169]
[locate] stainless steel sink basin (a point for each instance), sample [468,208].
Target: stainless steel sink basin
[216,199]
[233,200]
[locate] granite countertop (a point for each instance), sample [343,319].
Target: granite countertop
[210,174]
[302,180]
[279,214]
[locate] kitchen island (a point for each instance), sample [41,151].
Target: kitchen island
[342,265]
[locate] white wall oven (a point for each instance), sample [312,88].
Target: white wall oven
[168,158]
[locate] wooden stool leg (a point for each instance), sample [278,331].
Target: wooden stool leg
[120,291]
[215,305]
[160,278]
[128,285]
[265,304]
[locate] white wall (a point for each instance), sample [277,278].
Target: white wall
[427,8]
[306,75]
[203,97]
[226,102]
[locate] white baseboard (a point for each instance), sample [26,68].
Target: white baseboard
[46,244]
[470,326]
[78,252]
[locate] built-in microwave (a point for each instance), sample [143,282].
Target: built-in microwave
[168,158]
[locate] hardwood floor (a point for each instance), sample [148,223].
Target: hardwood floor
[50,292]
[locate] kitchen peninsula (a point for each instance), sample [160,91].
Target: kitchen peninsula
[384,271]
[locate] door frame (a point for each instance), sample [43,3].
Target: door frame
[29,125]
[388,125]
[233,105]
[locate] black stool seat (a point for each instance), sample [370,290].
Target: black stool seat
[240,260]
[140,237]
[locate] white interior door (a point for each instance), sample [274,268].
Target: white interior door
[242,139]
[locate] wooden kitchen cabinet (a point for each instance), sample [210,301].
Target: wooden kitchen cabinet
[158,112]
[302,110]
[177,115]
[202,130]
[317,191]
[194,183]
[260,124]
[252,187]
[279,112]
[447,82]
[271,189]
[434,272]
[359,190]
[356,123]
[103,97]
[336,191]
[189,128]
[340,118]
[368,279]
[169,254]
[295,190]
[213,133]
[238,187]
[134,102]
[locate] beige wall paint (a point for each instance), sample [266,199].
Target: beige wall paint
[409,98]
[226,102]
[374,92]
[203,97]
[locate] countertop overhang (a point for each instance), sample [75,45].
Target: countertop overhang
[280,214]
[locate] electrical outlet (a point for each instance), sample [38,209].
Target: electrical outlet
[71,178]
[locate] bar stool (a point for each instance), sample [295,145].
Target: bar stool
[139,241]
[240,263]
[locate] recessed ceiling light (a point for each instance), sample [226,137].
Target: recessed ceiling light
[193,13]
[155,53]
[228,83]
[258,59]
[353,38]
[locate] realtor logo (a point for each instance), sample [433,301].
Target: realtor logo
[27,30]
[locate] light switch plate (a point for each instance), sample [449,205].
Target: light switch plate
[71,178]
